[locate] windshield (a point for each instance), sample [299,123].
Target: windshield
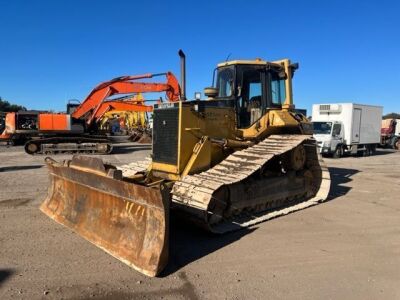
[225,79]
[322,127]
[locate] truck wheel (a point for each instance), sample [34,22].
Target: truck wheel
[31,148]
[367,151]
[373,149]
[338,152]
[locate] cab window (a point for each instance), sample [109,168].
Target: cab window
[278,90]
[255,91]
[336,129]
[225,82]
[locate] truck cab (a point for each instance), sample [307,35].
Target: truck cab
[329,136]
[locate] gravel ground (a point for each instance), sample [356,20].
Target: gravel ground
[346,248]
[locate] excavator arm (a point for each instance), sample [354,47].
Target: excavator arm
[96,105]
[120,106]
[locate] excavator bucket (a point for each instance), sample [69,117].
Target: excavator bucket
[127,220]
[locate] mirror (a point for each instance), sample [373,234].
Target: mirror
[282,74]
[211,92]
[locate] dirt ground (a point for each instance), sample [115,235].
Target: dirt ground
[346,248]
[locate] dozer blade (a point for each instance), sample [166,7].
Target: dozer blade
[127,220]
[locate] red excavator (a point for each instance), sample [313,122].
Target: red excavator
[77,130]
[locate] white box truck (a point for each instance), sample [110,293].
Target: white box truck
[341,128]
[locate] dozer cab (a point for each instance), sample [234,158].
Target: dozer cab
[241,157]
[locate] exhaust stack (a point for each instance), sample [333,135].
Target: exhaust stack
[183,74]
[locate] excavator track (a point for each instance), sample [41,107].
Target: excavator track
[56,145]
[231,195]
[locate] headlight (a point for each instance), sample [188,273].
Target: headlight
[327,144]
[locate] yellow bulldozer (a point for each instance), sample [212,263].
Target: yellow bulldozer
[239,158]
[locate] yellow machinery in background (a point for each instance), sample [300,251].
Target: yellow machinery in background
[134,124]
[241,157]
[131,120]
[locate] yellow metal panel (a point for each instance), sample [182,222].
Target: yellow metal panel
[218,122]
[164,175]
[191,129]
[164,167]
[274,121]
[200,159]
[288,103]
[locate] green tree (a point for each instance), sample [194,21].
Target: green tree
[6,106]
[391,116]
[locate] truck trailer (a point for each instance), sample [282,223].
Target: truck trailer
[342,128]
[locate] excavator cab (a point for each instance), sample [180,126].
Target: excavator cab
[72,105]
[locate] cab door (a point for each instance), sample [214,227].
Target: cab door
[336,136]
[251,102]
[356,125]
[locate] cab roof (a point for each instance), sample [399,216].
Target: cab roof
[257,61]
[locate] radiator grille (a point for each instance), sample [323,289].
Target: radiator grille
[330,108]
[324,107]
[165,135]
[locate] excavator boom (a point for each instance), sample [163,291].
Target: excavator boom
[124,85]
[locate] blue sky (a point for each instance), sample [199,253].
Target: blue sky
[52,51]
